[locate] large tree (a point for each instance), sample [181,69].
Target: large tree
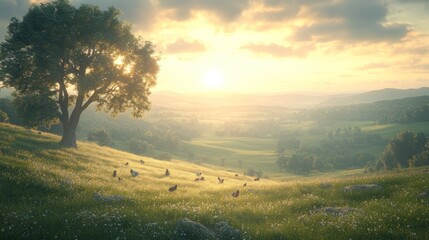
[78,56]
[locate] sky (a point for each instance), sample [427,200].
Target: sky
[276,46]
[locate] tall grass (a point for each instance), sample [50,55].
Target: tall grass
[47,193]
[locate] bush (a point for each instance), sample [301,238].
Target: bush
[101,137]
[163,156]
[250,172]
[3,116]
[138,146]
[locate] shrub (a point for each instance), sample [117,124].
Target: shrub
[163,156]
[101,137]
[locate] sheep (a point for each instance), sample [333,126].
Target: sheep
[173,188]
[134,173]
[235,194]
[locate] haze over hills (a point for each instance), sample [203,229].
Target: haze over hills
[283,100]
[377,95]
[174,99]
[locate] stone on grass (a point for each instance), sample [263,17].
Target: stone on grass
[424,195]
[101,198]
[362,187]
[188,229]
[225,232]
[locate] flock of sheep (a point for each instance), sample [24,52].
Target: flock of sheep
[174,188]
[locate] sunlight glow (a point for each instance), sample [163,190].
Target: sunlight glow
[213,79]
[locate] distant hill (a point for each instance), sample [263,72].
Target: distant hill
[377,95]
[172,99]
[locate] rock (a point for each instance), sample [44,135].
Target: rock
[100,198]
[188,229]
[362,187]
[224,231]
[424,195]
[338,211]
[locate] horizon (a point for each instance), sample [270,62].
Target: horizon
[269,47]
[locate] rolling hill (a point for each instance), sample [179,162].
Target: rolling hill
[47,192]
[377,95]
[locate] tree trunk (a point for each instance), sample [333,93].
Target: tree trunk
[69,136]
[69,129]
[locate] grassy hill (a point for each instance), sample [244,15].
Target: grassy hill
[51,193]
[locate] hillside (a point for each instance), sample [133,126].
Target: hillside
[377,95]
[49,193]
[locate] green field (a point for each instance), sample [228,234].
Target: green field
[260,153]
[47,193]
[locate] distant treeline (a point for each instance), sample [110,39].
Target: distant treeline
[342,149]
[407,110]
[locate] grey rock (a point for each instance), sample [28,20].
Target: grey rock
[362,187]
[225,232]
[424,195]
[98,197]
[190,230]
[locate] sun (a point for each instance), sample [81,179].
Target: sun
[213,79]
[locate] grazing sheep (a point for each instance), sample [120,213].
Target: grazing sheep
[134,173]
[256,179]
[235,194]
[167,173]
[245,184]
[126,164]
[202,179]
[236,174]
[198,174]
[173,188]
[197,179]
[142,161]
[114,173]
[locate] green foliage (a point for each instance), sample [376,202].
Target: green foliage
[137,146]
[250,172]
[3,117]
[7,107]
[101,137]
[407,110]
[57,46]
[163,156]
[402,148]
[36,110]
[286,142]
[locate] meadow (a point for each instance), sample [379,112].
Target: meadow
[48,193]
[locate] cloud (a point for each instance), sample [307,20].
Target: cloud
[373,66]
[181,46]
[9,9]
[276,50]
[226,10]
[363,20]
[141,13]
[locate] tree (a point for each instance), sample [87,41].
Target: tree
[401,149]
[101,137]
[3,116]
[36,110]
[78,56]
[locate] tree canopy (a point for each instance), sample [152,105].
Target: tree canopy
[78,56]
